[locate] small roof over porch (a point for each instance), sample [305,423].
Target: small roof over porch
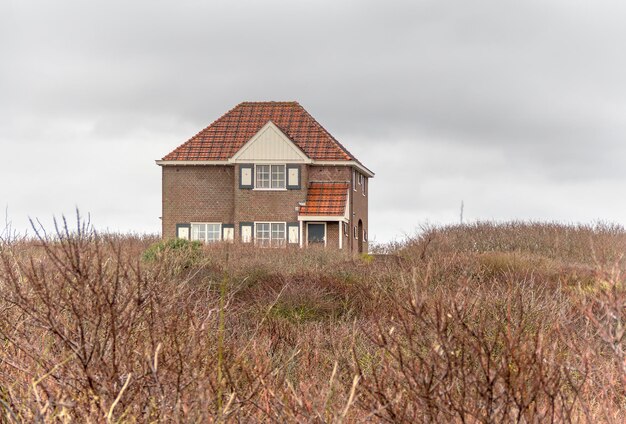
[325,201]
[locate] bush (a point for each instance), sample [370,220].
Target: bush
[190,249]
[481,323]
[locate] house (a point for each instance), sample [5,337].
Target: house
[266,173]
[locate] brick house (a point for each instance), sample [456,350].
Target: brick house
[266,173]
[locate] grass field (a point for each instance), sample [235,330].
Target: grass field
[514,322]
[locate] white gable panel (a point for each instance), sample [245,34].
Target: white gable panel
[270,144]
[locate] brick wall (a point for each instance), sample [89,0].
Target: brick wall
[332,235]
[196,194]
[360,212]
[210,193]
[329,173]
[263,205]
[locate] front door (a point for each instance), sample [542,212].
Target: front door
[316,233]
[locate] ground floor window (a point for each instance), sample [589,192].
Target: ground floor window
[270,233]
[206,232]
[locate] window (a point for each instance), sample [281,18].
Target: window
[270,177]
[363,186]
[353,180]
[360,179]
[364,234]
[206,232]
[356,232]
[345,229]
[270,233]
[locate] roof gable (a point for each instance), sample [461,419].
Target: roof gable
[270,144]
[222,139]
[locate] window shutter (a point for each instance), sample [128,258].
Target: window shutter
[246,176]
[293,177]
[245,231]
[183,231]
[293,232]
[228,232]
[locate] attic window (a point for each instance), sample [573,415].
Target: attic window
[270,177]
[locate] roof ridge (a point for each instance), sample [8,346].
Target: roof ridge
[286,102]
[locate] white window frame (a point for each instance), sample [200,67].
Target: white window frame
[354,179]
[258,240]
[363,186]
[206,232]
[273,186]
[356,232]
[364,234]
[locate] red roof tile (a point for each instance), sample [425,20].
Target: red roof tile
[224,137]
[325,199]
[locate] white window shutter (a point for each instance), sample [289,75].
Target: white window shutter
[293,176]
[246,233]
[246,177]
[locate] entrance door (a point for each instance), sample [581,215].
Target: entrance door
[316,233]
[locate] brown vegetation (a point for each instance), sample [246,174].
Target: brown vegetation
[475,323]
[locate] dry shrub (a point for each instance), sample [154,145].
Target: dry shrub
[478,323]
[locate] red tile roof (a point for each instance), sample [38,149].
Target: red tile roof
[224,137]
[326,199]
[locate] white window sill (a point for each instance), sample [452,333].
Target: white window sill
[269,189]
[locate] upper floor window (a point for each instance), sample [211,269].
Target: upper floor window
[206,232]
[363,184]
[354,180]
[270,177]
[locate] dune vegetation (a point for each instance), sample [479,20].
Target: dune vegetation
[485,322]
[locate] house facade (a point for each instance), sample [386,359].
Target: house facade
[266,173]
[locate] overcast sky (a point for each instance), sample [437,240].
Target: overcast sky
[516,108]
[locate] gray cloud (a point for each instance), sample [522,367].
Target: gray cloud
[516,107]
